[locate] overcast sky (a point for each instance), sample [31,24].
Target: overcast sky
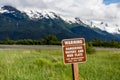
[107,10]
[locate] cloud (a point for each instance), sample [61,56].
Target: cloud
[90,9]
[25,3]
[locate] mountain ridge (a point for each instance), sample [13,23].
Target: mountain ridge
[17,24]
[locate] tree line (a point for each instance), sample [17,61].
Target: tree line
[99,43]
[52,40]
[48,40]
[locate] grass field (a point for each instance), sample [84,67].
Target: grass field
[48,65]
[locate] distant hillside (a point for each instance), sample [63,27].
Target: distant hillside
[15,24]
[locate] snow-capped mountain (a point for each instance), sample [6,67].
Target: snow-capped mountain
[49,22]
[105,26]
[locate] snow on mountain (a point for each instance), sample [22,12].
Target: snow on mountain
[105,26]
[8,9]
[69,20]
[33,14]
[2,11]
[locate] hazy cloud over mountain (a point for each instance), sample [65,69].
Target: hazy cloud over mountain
[89,9]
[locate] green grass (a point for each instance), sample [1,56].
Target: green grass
[104,65]
[48,65]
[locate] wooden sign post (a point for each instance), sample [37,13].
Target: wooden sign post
[74,52]
[75,71]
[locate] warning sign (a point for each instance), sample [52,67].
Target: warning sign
[74,50]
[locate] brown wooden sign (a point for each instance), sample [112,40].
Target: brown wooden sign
[74,50]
